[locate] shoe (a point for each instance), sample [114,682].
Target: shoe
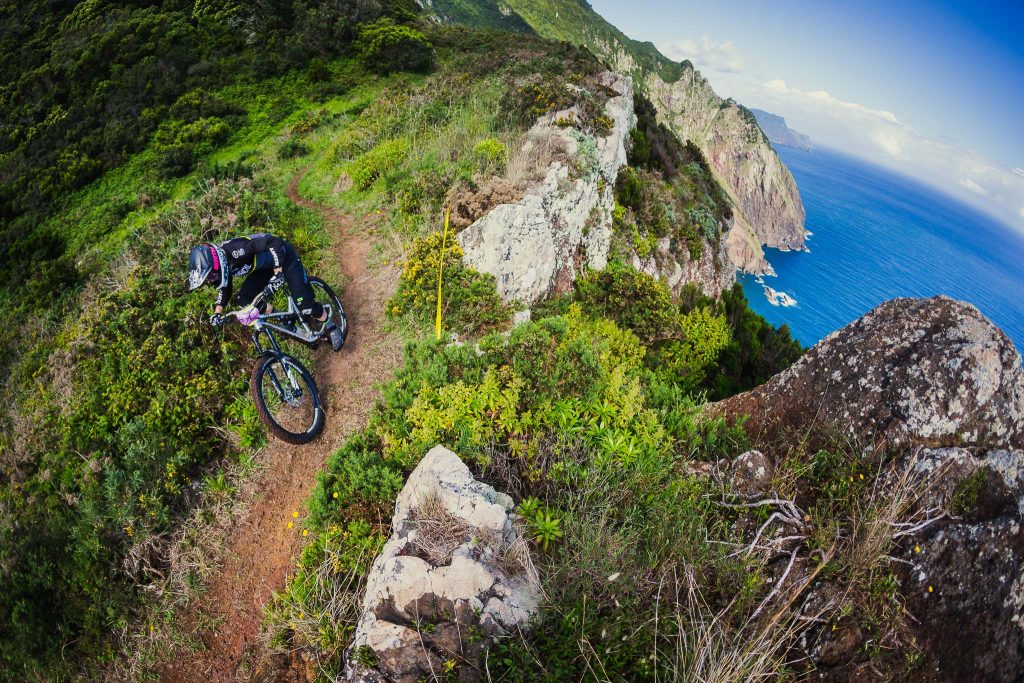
[336,335]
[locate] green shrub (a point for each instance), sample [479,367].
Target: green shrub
[492,152]
[365,169]
[634,300]
[470,302]
[756,351]
[292,148]
[384,46]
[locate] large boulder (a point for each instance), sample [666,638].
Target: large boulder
[541,242]
[454,573]
[961,577]
[932,372]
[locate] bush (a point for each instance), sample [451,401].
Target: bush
[634,300]
[755,352]
[470,302]
[366,168]
[493,153]
[292,148]
[384,46]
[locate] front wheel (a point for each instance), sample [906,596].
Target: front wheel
[286,398]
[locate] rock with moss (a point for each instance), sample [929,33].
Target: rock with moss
[961,577]
[932,372]
[563,224]
[455,573]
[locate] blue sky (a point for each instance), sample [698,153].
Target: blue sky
[934,90]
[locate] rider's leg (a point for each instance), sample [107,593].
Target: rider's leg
[298,284]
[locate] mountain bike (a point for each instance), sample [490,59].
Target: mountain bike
[283,390]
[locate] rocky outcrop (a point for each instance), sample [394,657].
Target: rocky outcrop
[454,573]
[933,372]
[541,242]
[768,207]
[939,390]
[713,272]
[765,195]
[962,576]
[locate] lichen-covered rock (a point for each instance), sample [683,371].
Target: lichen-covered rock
[933,372]
[454,572]
[961,577]
[751,473]
[541,242]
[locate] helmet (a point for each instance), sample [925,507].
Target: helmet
[205,266]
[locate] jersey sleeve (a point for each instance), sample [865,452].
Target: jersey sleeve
[224,293]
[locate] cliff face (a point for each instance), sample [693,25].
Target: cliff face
[778,132]
[541,242]
[769,210]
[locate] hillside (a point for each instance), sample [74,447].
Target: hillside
[557,440]
[779,133]
[769,210]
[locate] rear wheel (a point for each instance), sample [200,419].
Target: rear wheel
[286,398]
[326,295]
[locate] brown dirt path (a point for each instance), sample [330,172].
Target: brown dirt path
[262,549]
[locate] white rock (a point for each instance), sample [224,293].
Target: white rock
[410,603]
[541,241]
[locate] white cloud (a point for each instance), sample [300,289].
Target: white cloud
[824,99]
[880,136]
[1021,212]
[974,187]
[722,57]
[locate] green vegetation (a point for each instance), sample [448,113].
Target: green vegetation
[385,47]
[641,558]
[668,190]
[481,13]
[573,21]
[470,302]
[139,130]
[556,403]
[756,352]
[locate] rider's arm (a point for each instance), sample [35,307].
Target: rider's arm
[223,296]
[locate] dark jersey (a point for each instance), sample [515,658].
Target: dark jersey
[261,251]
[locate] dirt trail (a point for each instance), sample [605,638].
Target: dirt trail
[262,549]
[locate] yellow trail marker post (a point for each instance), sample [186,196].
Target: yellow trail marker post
[440,271]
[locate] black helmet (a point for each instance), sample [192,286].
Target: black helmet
[205,266]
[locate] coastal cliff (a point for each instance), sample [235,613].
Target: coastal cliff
[768,210]
[774,126]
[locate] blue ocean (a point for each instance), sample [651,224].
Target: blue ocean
[879,235]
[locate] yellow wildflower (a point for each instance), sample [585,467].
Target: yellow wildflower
[291,524]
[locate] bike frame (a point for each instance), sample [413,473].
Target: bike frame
[264,325]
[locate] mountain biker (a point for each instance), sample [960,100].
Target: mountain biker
[271,262]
